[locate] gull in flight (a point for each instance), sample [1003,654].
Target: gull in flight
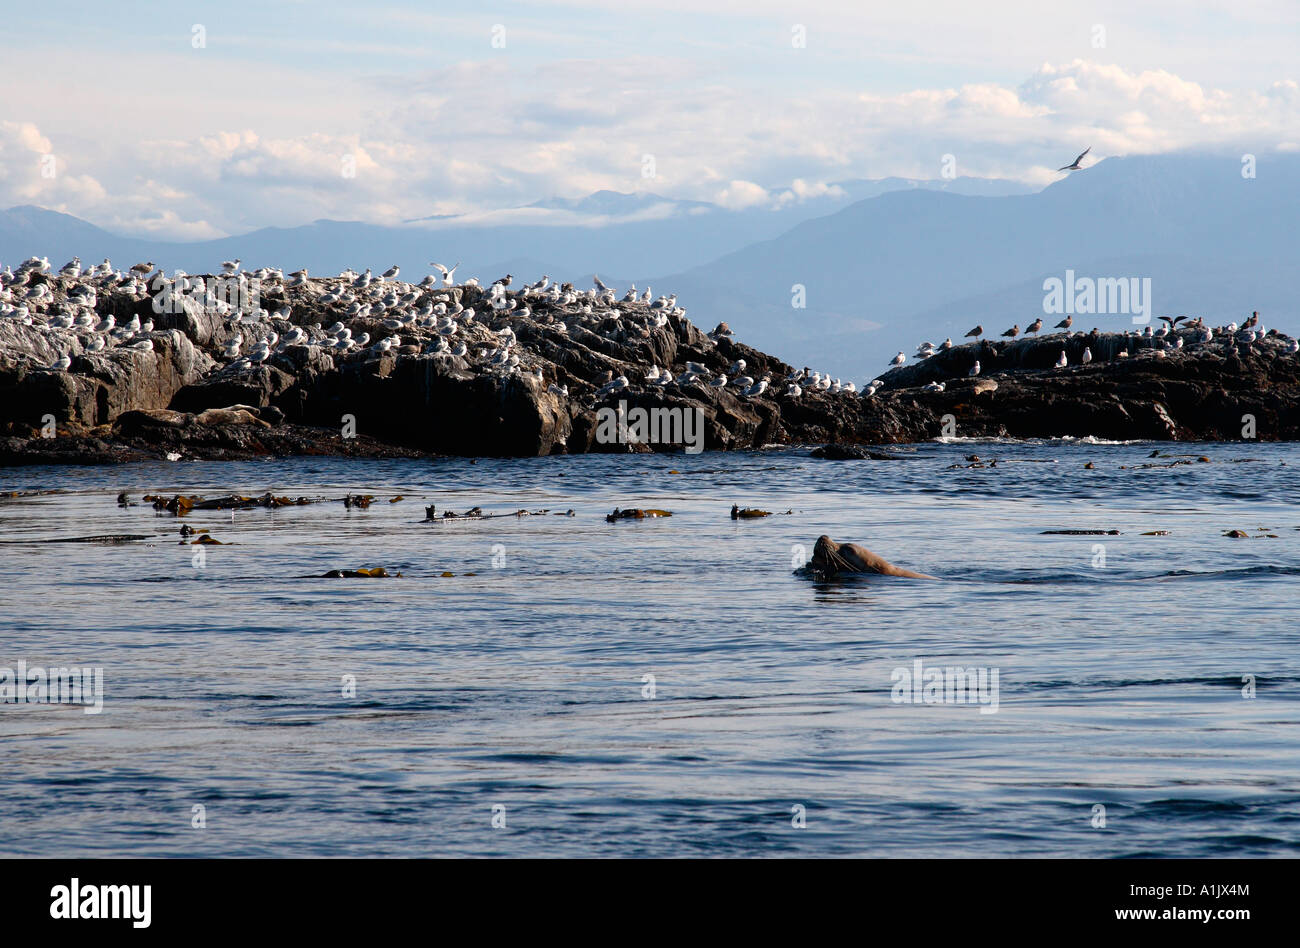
[1075,166]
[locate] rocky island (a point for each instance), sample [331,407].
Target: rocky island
[98,366]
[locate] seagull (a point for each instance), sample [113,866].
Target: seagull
[1013,331]
[933,387]
[975,369]
[898,359]
[976,332]
[1087,356]
[62,363]
[1075,166]
[230,267]
[1062,362]
[614,385]
[447,275]
[1066,323]
[1036,325]
[946,344]
[391,272]
[757,389]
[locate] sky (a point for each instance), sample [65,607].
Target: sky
[188,121]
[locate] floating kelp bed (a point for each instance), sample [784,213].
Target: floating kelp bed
[180,504]
[373,572]
[106,538]
[648,513]
[431,514]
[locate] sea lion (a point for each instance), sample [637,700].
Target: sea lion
[830,558]
[228,416]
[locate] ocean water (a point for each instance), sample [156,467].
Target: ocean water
[517,688]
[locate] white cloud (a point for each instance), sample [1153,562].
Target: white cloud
[478,136]
[739,195]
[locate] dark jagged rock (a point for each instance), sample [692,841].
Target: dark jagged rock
[850,452]
[1202,391]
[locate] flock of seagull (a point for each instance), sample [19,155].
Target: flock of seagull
[1236,337]
[483,335]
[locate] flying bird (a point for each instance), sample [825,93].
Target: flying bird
[1075,166]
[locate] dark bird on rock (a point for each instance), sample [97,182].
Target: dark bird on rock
[1036,325]
[1066,323]
[1013,331]
[976,332]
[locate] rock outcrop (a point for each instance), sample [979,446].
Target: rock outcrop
[1223,389]
[342,365]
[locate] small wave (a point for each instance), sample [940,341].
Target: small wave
[1267,570]
[1060,439]
[1216,681]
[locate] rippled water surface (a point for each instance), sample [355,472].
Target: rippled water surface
[520,680]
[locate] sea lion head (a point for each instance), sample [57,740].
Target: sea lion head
[826,556]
